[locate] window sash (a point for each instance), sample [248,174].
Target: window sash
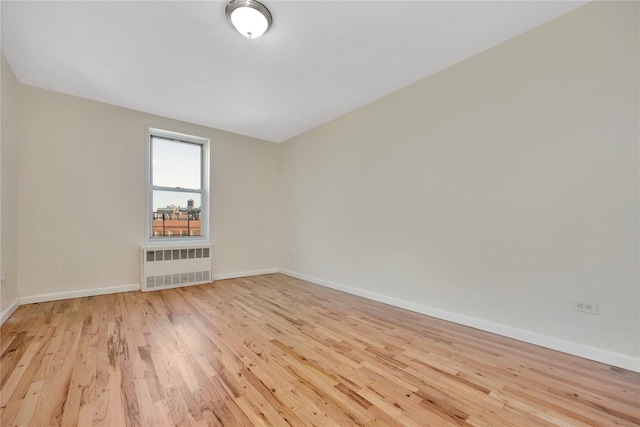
[201,193]
[176,189]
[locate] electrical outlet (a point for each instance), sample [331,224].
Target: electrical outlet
[3,281]
[586,306]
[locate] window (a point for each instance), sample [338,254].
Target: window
[178,186]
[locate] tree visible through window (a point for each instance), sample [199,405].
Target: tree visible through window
[178,178]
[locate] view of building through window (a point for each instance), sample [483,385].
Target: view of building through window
[176,187]
[178,218]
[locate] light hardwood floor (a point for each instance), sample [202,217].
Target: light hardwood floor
[276,351]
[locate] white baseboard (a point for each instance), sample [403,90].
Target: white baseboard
[9,310]
[54,296]
[593,353]
[238,274]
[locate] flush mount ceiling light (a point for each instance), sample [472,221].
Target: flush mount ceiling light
[250,17]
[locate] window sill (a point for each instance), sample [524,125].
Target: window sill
[177,241]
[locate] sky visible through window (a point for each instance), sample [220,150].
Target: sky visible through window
[175,164]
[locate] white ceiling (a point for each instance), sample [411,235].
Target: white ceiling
[321,59]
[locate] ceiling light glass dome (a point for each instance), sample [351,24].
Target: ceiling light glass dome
[250,17]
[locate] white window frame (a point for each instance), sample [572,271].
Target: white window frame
[204,208]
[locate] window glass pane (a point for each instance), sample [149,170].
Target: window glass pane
[190,202]
[176,214]
[175,163]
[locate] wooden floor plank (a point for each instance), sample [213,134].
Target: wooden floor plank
[277,351]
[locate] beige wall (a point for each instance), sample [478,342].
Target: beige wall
[494,192]
[9,186]
[82,194]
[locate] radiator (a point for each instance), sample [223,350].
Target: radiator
[172,267]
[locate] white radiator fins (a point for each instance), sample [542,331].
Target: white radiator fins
[164,267]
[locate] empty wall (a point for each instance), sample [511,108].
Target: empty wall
[492,193]
[82,195]
[9,191]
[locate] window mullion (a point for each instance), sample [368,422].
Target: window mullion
[176,189]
